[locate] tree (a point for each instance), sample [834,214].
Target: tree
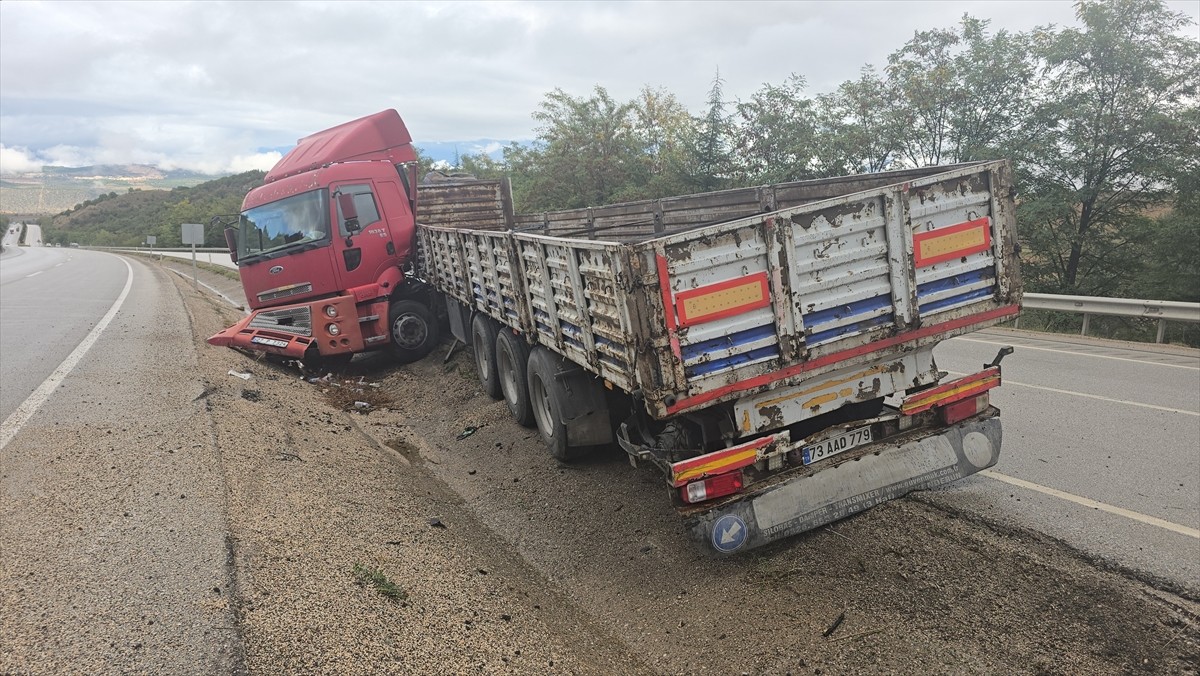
[586,152]
[1115,133]
[712,161]
[856,127]
[775,140]
[961,95]
[662,127]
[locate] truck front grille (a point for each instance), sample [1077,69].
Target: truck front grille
[294,320]
[285,291]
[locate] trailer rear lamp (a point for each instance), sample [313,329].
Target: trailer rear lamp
[709,489]
[333,329]
[330,311]
[961,410]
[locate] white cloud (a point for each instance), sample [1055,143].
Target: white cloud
[215,85]
[18,161]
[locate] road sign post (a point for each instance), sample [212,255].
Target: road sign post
[193,233]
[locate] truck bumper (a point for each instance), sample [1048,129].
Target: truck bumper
[806,502]
[291,330]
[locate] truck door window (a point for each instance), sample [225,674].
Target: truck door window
[364,203]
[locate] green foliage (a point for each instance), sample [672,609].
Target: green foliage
[126,220]
[368,575]
[775,139]
[1113,131]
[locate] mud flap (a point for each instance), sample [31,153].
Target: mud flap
[837,492]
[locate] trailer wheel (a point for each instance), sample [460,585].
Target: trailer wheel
[413,330]
[545,396]
[483,344]
[512,366]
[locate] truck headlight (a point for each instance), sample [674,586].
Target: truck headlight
[333,329]
[330,311]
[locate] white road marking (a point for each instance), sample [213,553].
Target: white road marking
[1094,504]
[57,264]
[1004,382]
[1080,354]
[35,274]
[12,425]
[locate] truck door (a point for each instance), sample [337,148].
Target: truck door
[362,255]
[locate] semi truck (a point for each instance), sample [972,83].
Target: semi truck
[768,350]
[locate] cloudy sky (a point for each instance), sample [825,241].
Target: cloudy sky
[220,87]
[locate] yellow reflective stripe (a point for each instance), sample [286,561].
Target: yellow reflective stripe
[712,467]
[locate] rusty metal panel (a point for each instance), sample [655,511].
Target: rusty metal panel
[734,293]
[575,294]
[476,205]
[844,283]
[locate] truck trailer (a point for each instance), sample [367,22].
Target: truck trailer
[769,350]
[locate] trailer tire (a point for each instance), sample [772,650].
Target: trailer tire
[512,368]
[545,397]
[412,330]
[483,344]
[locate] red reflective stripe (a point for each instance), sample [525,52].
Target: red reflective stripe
[664,283]
[979,223]
[790,371]
[710,464]
[682,297]
[923,400]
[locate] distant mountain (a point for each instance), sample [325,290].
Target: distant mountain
[449,151]
[126,219]
[55,188]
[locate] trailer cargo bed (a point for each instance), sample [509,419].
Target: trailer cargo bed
[691,301]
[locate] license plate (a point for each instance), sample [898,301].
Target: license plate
[834,445]
[273,342]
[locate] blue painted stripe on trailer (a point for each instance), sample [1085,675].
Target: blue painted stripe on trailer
[820,337]
[812,319]
[736,360]
[726,342]
[954,281]
[955,300]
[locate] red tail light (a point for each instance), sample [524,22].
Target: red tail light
[708,489]
[961,410]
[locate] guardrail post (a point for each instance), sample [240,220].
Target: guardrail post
[1162,330]
[1086,317]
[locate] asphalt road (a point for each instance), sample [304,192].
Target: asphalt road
[113,539]
[1110,422]
[51,298]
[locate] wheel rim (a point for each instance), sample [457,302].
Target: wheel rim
[482,362]
[539,398]
[508,377]
[409,332]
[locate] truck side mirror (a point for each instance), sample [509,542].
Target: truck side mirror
[231,242]
[349,212]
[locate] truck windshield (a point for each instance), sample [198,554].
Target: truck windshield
[291,221]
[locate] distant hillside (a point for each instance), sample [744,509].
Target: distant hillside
[56,188]
[127,219]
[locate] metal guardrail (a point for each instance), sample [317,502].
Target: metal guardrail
[1162,310]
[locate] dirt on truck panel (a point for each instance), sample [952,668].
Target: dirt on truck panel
[509,562]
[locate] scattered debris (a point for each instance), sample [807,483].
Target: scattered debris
[284,455]
[836,623]
[437,523]
[236,374]
[250,395]
[362,405]
[468,432]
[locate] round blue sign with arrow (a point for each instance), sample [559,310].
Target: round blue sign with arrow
[728,533]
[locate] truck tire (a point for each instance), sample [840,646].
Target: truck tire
[483,344]
[545,396]
[412,329]
[512,367]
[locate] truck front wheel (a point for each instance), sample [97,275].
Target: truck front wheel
[414,331]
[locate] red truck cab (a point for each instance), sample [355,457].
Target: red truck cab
[323,247]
